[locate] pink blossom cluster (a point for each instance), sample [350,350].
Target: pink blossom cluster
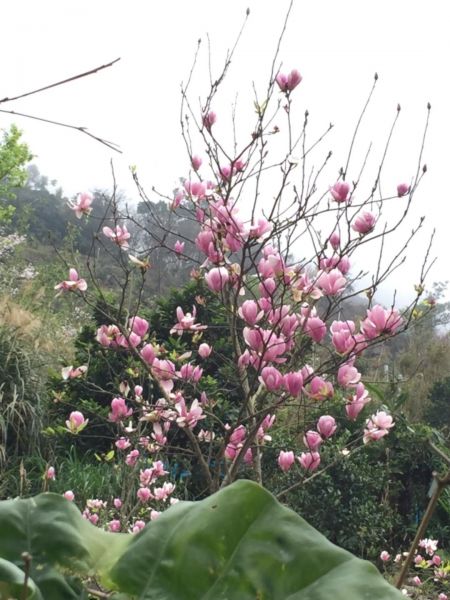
[238,436]
[432,564]
[310,460]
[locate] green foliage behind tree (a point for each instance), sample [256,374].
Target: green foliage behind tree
[437,412]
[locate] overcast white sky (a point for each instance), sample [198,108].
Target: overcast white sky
[337,46]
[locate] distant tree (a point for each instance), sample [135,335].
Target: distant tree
[14,155]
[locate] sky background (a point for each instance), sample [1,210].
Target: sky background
[337,46]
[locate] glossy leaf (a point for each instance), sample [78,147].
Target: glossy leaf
[53,532]
[241,544]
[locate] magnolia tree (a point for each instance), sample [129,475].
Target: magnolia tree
[291,347]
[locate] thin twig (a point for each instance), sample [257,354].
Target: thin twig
[111,145]
[62,82]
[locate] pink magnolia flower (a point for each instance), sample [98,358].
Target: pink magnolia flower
[267,423]
[329,262]
[235,442]
[158,433]
[380,321]
[416,580]
[82,206]
[335,240]
[442,596]
[326,426]
[196,189]
[209,119]
[272,264]
[226,172]
[364,222]
[107,335]
[286,460]
[263,226]
[123,443]
[312,440]
[385,556]
[196,162]
[340,191]
[119,235]
[132,458]
[430,546]
[307,372]
[164,371]
[206,436]
[293,383]
[162,493]
[179,247]
[190,373]
[76,422]
[348,375]
[238,435]
[69,495]
[377,426]
[436,560]
[319,389]
[204,350]
[271,378]
[147,476]
[402,189]
[73,283]
[250,312]
[205,243]
[130,340]
[148,353]
[287,83]
[344,338]
[95,504]
[248,457]
[217,278]
[177,200]
[267,288]
[138,526]
[331,283]
[238,165]
[50,473]
[357,402]
[265,345]
[343,265]
[186,322]
[189,418]
[119,410]
[144,494]
[309,460]
[72,373]
[114,525]
[94,519]
[315,328]
[138,326]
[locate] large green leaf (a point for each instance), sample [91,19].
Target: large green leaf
[12,582]
[241,544]
[60,542]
